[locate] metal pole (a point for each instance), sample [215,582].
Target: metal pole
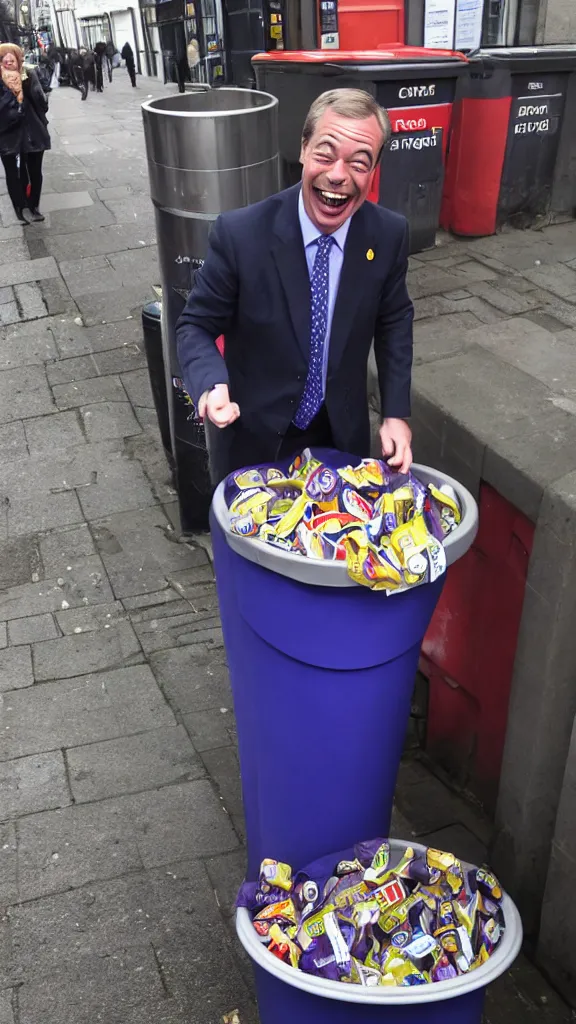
[136,46]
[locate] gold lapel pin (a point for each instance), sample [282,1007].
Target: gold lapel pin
[370,254]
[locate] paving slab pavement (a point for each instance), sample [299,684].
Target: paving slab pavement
[121,833]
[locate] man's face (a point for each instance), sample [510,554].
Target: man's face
[337,165]
[9,62]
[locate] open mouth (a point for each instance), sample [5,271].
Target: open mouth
[335,200]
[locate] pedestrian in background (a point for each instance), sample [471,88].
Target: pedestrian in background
[99,56]
[23,131]
[55,57]
[111,52]
[82,69]
[128,55]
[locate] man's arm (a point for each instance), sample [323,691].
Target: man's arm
[393,352]
[208,313]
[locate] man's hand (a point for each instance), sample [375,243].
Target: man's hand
[396,438]
[216,405]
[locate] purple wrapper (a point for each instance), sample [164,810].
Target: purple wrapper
[320,961]
[444,970]
[366,851]
[247,895]
[251,896]
[433,519]
[323,484]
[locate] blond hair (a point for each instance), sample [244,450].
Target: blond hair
[15,50]
[353,103]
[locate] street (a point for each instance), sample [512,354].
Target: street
[121,835]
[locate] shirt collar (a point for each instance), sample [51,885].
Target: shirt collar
[310,232]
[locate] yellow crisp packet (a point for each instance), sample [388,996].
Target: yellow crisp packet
[367,474]
[276,874]
[282,483]
[249,478]
[282,946]
[303,465]
[403,503]
[439,860]
[450,512]
[285,909]
[249,500]
[480,959]
[290,520]
[418,550]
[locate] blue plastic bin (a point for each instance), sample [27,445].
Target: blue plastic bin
[322,674]
[286,995]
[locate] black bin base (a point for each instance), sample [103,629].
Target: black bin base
[186,453]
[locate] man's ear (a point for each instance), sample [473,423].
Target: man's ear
[302,151]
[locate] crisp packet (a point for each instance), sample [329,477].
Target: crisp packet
[290,519]
[244,526]
[443,970]
[275,874]
[488,885]
[356,505]
[347,867]
[283,947]
[361,974]
[283,911]
[319,959]
[323,485]
[386,506]
[376,873]
[421,554]
[248,478]
[378,569]
[448,505]
[423,951]
[303,465]
[307,896]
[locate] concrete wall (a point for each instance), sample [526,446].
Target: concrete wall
[486,407]
[557,946]
[556,22]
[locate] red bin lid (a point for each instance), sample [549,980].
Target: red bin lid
[383,55]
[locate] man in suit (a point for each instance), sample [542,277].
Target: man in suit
[300,284]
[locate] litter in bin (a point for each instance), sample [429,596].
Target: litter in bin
[424,920]
[388,527]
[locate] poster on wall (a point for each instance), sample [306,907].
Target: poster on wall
[468,24]
[439,18]
[329,36]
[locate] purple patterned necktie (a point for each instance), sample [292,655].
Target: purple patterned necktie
[319,288]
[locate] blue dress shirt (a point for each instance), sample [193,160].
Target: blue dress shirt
[310,235]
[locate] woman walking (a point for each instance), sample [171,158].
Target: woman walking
[23,131]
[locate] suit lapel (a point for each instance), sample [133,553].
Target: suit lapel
[290,258]
[350,289]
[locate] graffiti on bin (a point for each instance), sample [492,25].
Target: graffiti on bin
[416,141]
[413,124]
[412,92]
[537,115]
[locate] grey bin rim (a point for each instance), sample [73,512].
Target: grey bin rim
[244,111]
[334,574]
[502,958]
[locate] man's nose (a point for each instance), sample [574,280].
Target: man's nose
[338,173]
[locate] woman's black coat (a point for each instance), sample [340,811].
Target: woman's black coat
[24,127]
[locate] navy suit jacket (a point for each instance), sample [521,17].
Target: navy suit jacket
[254,288]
